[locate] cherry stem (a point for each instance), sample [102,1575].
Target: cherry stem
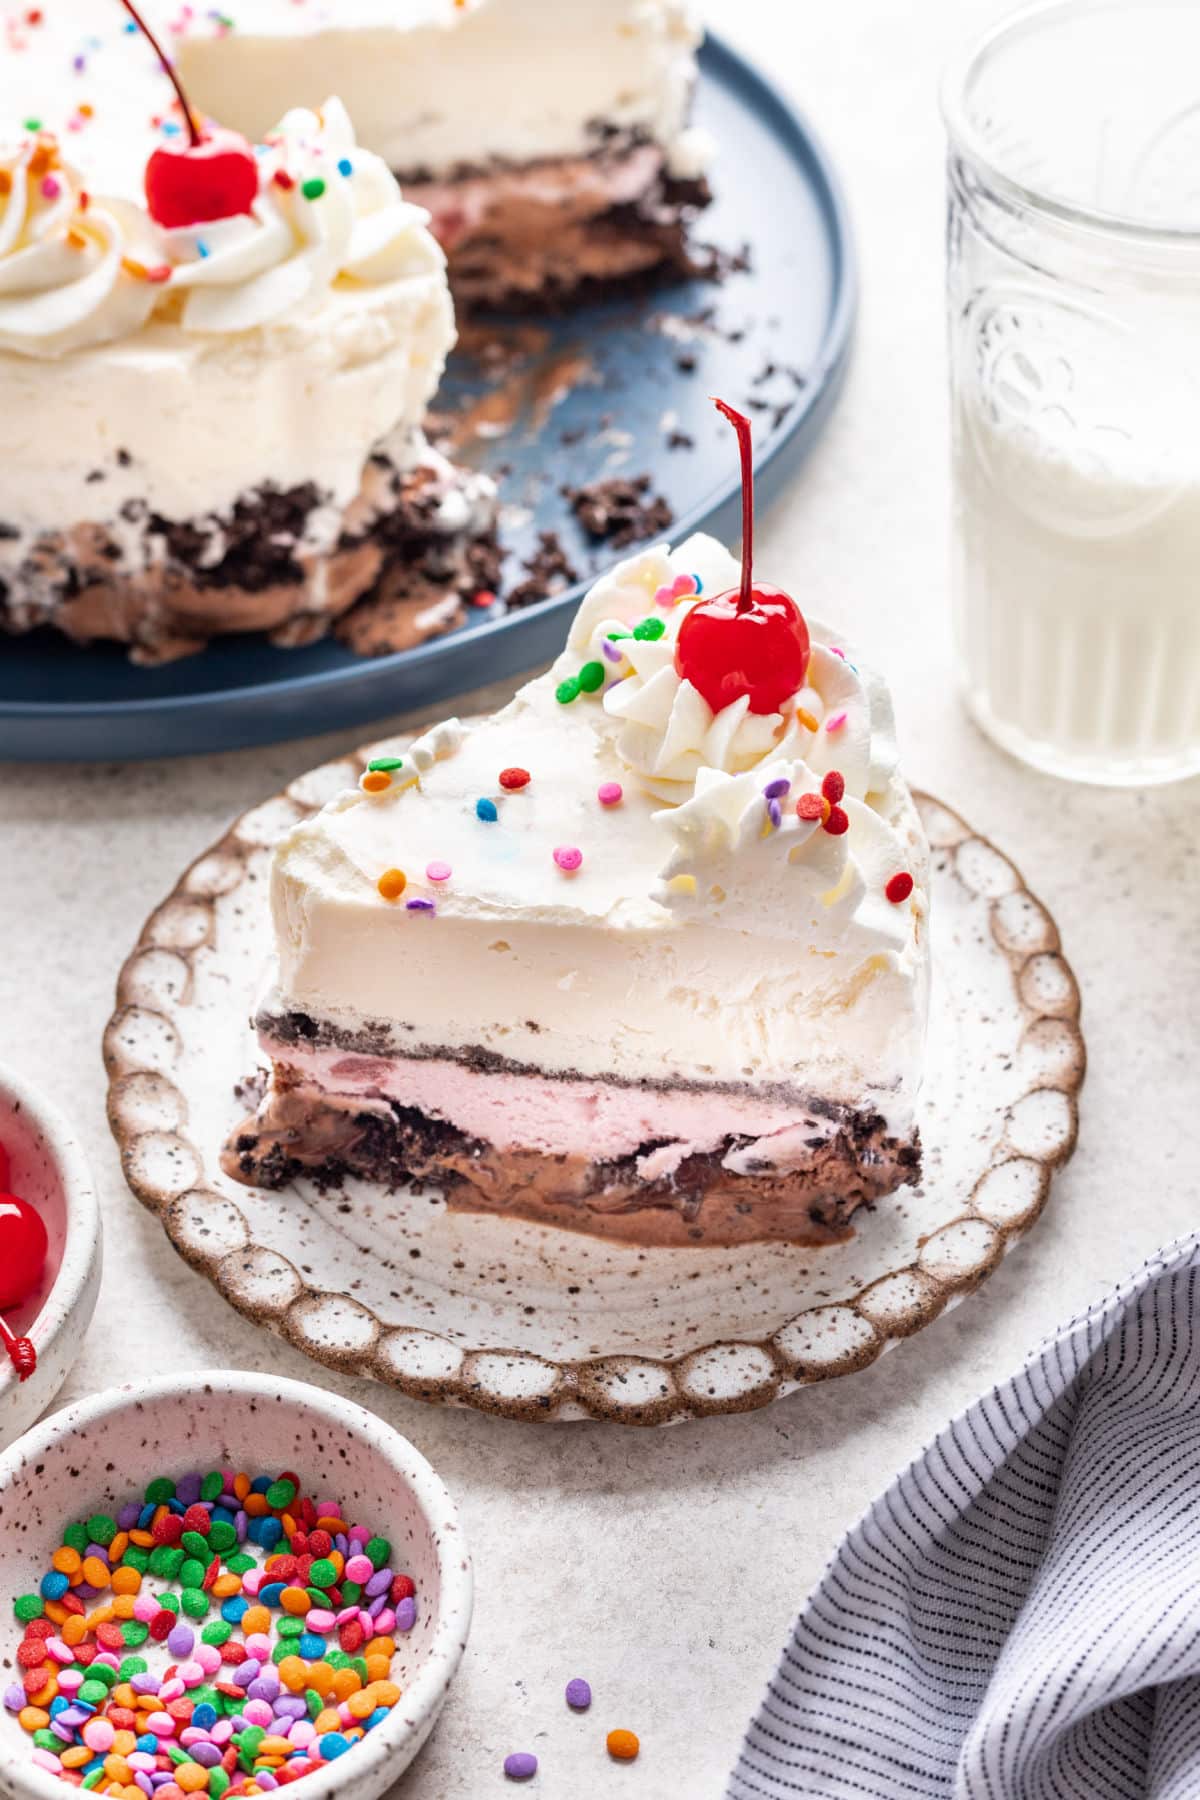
[21,1352]
[135,15]
[741,425]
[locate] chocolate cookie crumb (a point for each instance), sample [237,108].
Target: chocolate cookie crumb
[619,511]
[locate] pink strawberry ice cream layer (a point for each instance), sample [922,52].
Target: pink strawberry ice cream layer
[528,1112]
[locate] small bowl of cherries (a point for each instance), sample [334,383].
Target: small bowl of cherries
[50,1252]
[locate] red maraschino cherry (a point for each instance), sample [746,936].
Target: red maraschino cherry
[751,640]
[211,175]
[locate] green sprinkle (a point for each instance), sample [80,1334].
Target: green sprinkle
[218,1781]
[351,1594]
[222,1537]
[101,1529]
[385,765]
[379,1551]
[314,1702]
[131,1666]
[134,1632]
[337,1659]
[567,690]
[170,1601]
[615,637]
[76,1537]
[97,1776]
[280,1494]
[591,677]
[219,1632]
[177,1754]
[28,1607]
[283,1648]
[313,188]
[136,1558]
[159,1491]
[192,1573]
[241,1564]
[166,1559]
[649,630]
[359,1664]
[323,1574]
[213,1486]
[36,125]
[93,1692]
[46,1740]
[288,1627]
[194,1602]
[194,1544]
[101,1672]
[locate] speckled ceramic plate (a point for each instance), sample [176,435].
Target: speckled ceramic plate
[535,1323]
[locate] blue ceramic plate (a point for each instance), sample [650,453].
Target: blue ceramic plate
[632,382]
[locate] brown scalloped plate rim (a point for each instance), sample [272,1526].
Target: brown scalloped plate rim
[627,1389]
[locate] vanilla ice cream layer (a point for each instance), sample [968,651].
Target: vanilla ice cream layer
[434,86]
[694,942]
[189,423]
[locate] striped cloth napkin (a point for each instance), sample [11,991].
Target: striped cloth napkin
[1018,1617]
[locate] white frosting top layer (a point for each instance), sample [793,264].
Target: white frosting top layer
[678,916]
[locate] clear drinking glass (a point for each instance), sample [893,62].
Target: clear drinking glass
[1074,319]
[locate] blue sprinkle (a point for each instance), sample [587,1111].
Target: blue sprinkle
[148,1743]
[54,1585]
[271,1594]
[311,1645]
[377,1717]
[332,1745]
[202,248]
[205,1716]
[260,1484]
[233,1609]
[699,584]
[345,166]
[131,27]
[170,129]
[486,810]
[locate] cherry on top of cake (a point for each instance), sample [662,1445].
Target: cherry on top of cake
[751,640]
[210,174]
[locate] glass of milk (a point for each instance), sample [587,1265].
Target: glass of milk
[1074,320]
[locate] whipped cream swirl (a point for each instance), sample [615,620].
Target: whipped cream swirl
[327,214]
[73,267]
[668,734]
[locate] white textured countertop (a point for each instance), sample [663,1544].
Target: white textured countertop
[665,1566]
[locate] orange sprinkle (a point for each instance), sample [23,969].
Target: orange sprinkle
[56,1612]
[76,1756]
[256,1620]
[333,1526]
[143,1539]
[126,1581]
[392,883]
[375,781]
[86,108]
[34,1718]
[320,1680]
[225,1586]
[345,1682]
[622,1745]
[256,1506]
[241,1486]
[74,1630]
[5,182]
[295,1600]
[76,239]
[132,267]
[806,719]
[122,1606]
[117,1548]
[66,1560]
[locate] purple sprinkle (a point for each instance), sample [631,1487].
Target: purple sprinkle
[65,1732]
[246,1672]
[143,1781]
[521,1765]
[129,1515]
[612,652]
[241,1525]
[261,1689]
[341,1543]
[377,1605]
[420,906]
[97,1550]
[187,1488]
[208,1755]
[74,1715]
[290,1706]
[85,1591]
[579,1694]
[406,1613]
[228,1501]
[775,790]
[79,64]
[265,1779]
[14,1697]
[379,1582]
[775,813]
[146,1684]
[180,1640]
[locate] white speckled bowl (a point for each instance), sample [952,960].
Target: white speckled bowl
[49,1170]
[100,1452]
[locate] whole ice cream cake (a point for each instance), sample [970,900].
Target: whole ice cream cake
[644,955]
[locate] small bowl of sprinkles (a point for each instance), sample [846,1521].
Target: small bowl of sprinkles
[222,1584]
[47,1290]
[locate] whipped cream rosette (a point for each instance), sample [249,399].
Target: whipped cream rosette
[327,212]
[73,266]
